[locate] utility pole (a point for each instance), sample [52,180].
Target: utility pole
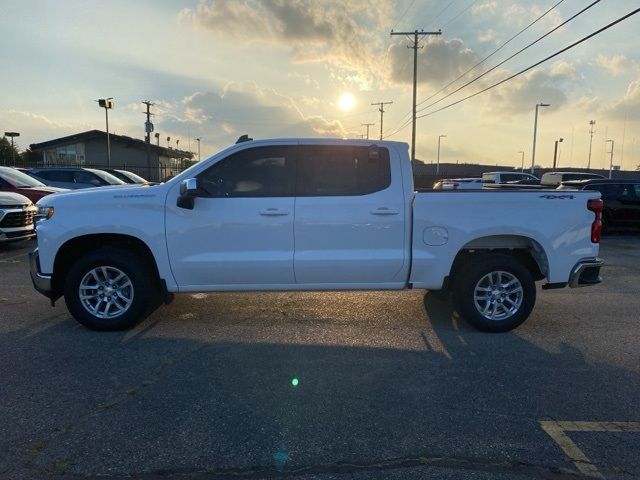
[555,153]
[368,125]
[381,110]
[610,158]
[148,128]
[417,36]
[592,123]
[198,140]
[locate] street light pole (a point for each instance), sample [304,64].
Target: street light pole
[440,137]
[535,132]
[107,103]
[12,135]
[521,160]
[555,153]
[198,139]
[610,158]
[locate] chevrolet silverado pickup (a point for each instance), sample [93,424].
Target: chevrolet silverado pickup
[311,214]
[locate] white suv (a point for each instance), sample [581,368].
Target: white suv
[16,217]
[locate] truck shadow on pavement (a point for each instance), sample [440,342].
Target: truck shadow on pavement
[76,402]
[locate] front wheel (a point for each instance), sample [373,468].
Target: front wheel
[494,292]
[109,289]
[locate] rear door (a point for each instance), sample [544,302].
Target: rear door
[349,224]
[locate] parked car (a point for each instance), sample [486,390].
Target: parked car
[228,224]
[74,178]
[126,176]
[458,184]
[509,177]
[553,179]
[621,200]
[13,180]
[17,214]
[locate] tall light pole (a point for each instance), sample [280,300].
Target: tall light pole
[555,152]
[440,137]
[610,158]
[12,135]
[198,139]
[535,132]
[107,103]
[521,152]
[592,123]
[157,135]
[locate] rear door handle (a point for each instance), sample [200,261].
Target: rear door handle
[273,212]
[384,211]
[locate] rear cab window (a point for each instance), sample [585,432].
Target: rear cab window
[335,170]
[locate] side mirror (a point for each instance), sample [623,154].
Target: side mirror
[188,193]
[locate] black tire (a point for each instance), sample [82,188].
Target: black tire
[145,292]
[470,273]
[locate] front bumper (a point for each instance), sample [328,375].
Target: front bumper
[586,273]
[16,234]
[42,283]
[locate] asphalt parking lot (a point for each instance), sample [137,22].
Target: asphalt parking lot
[324,385]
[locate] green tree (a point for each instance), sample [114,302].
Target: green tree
[8,155]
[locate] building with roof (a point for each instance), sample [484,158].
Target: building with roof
[89,149]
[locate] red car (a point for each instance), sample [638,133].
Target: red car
[13,180]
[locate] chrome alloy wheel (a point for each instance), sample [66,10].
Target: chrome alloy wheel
[106,292]
[498,295]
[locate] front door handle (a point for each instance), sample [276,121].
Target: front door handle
[273,212]
[384,211]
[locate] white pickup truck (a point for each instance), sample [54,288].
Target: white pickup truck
[310,214]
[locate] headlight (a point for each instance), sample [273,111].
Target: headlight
[44,212]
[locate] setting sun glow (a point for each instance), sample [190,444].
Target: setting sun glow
[346,102]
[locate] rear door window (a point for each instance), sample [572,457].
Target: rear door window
[56,175]
[88,178]
[342,170]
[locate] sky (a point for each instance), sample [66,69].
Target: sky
[217,69]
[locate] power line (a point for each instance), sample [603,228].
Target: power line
[381,110]
[403,14]
[455,17]
[569,47]
[492,53]
[440,13]
[481,61]
[475,79]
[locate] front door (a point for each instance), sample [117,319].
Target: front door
[240,231]
[350,216]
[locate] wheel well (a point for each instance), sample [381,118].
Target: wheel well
[79,246]
[526,250]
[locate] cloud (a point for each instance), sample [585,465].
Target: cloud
[629,106]
[240,108]
[34,128]
[615,64]
[344,34]
[564,70]
[440,61]
[520,95]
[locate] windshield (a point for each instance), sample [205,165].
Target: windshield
[107,177]
[17,179]
[132,176]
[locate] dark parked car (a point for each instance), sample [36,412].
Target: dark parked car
[621,200]
[13,180]
[74,178]
[126,176]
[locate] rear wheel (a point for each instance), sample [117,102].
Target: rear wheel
[494,292]
[109,289]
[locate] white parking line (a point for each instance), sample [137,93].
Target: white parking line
[556,430]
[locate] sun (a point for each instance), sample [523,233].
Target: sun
[346,102]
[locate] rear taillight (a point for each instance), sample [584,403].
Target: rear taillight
[595,205]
